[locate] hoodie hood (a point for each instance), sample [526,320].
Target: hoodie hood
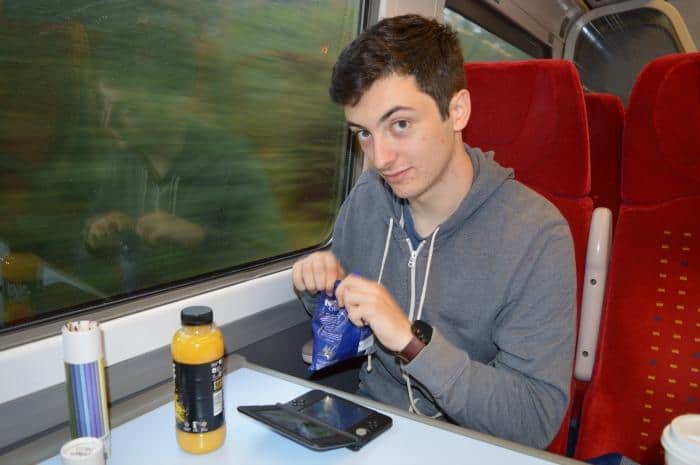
[489,176]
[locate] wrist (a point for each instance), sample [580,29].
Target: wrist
[421,333]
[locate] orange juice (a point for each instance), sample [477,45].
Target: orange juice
[198,351]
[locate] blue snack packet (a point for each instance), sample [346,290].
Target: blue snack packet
[335,337]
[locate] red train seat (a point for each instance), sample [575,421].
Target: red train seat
[648,362]
[605,121]
[532,114]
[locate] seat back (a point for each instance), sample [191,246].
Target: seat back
[605,120]
[648,362]
[532,114]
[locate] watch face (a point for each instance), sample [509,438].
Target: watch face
[422,331]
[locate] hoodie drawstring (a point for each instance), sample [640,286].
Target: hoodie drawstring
[386,248]
[413,408]
[381,272]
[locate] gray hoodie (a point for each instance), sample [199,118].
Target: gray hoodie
[497,282]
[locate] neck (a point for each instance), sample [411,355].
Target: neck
[438,203]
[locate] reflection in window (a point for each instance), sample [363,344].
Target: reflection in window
[478,44]
[146,142]
[611,51]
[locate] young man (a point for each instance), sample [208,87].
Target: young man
[465,276]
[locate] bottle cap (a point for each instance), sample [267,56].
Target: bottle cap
[198,315]
[83,451]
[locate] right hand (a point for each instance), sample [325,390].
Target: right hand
[317,272]
[104,230]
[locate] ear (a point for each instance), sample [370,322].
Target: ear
[460,109]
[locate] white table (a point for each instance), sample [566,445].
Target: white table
[150,438]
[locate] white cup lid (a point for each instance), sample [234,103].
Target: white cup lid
[682,437]
[83,451]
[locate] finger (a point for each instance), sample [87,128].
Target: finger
[297,279]
[340,270]
[349,284]
[340,294]
[348,292]
[332,268]
[308,276]
[358,313]
[356,319]
[319,272]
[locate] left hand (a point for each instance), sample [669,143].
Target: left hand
[370,303]
[163,228]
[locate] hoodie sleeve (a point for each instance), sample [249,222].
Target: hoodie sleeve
[522,394]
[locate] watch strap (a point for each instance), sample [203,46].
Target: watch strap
[412,349]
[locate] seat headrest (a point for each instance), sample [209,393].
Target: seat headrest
[661,143]
[607,107]
[532,114]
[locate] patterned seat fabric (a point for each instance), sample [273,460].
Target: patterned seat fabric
[648,362]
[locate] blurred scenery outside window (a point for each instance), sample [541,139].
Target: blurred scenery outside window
[146,143]
[478,44]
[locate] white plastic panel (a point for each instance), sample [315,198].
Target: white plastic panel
[39,365]
[594,280]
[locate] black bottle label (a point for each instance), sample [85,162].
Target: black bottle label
[199,396]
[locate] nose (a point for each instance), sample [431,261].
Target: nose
[383,154]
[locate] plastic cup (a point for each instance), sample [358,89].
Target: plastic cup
[681,440]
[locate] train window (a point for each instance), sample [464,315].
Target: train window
[485,35]
[145,144]
[478,44]
[611,50]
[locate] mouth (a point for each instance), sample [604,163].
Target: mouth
[395,176]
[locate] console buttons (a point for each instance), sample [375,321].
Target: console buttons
[361,432]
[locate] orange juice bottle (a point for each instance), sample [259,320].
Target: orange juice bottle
[198,366]
[21,273]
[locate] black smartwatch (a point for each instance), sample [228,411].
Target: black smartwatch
[422,333]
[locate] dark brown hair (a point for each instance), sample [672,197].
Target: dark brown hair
[408,45]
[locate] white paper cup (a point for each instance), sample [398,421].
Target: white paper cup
[681,440]
[83,451]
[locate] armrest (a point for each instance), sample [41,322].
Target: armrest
[594,279]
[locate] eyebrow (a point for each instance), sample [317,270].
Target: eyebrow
[383,118]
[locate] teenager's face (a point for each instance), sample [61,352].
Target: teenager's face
[404,136]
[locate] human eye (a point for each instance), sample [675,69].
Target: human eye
[363,135]
[400,125]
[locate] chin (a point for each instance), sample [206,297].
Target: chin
[403,192]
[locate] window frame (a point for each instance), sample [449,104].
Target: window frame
[676,20]
[501,26]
